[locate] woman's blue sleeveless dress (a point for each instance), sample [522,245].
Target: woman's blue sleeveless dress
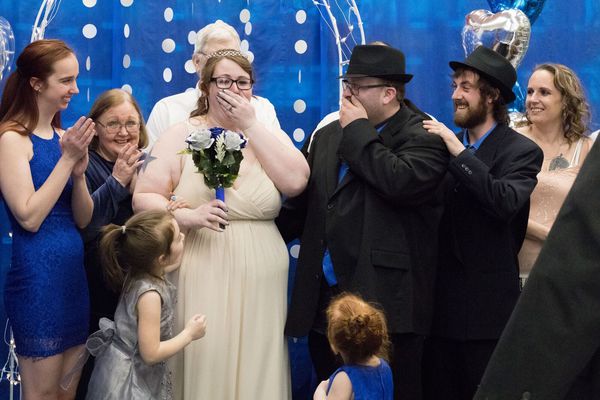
[368,383]
[46,294]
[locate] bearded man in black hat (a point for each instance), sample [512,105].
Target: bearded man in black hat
[490,178]
[368,218]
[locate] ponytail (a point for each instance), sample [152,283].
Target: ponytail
[114,273]
[132,250]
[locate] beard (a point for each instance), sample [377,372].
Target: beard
[470,117]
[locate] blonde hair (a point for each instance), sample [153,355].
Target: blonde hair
[113,98]
[356,328]
[217,31]
[576,111]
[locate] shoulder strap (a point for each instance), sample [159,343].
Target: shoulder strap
[577,153]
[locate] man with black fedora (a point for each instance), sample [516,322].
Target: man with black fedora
[368,218]
[491,175]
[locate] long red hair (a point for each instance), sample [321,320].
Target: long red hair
[18,107]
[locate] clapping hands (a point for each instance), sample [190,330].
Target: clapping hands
[74,144]
[128,161]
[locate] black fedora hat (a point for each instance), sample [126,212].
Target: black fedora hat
[494,67]
[377,61]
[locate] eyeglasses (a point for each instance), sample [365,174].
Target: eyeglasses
[225,83]
[115,126]
[354,88]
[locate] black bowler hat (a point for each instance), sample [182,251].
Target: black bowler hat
[377,61]
[494,67]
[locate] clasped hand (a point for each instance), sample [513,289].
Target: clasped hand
[209,215]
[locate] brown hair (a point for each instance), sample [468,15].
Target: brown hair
[207,73]
[130,251]
[19,108]
[488,90]
[356,329]
[113,98]
[576,111]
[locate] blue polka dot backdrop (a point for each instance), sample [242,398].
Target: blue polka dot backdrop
[145,47]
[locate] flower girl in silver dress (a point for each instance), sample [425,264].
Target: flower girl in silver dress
[131,352]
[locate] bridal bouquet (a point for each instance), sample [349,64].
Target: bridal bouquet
[217,154]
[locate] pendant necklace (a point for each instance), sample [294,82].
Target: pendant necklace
[558,162]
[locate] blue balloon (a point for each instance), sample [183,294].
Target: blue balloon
[531,8]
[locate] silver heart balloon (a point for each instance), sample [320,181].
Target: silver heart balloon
[506,32]
[7,46]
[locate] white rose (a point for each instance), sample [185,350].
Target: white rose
[233,140]
[200,139]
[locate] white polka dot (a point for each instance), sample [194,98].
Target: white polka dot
[248,28]
[190,89]
[299,76]
[168,14]
[250,56]
[244,46]
[126,61]
[295,250]
[192,37]
[126,87]
[89,3]
[298,135]
[299,106]
[245,15]
[126,30]
[189,66]
[89,31]
[301,47]
[88,63]
[168,45]
[126,3]
[167,75]
[88,95]
[301,16]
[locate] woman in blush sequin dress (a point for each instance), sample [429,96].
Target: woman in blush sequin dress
[557,114]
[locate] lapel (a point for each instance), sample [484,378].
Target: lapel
[393,127]
[488,149]
[332,161]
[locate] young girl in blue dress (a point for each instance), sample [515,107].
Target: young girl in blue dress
[358,332]
[131,352]
[44,189]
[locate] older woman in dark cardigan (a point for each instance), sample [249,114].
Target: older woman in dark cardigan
[114,157]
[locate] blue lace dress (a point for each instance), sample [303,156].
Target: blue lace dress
[368,383]
[46,294]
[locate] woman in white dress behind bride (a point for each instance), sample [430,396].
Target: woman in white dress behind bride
[236,275]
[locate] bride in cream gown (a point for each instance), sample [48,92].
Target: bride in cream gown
[237,275]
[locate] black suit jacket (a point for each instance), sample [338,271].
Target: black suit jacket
[550,348]
[486,199]
[379,224]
